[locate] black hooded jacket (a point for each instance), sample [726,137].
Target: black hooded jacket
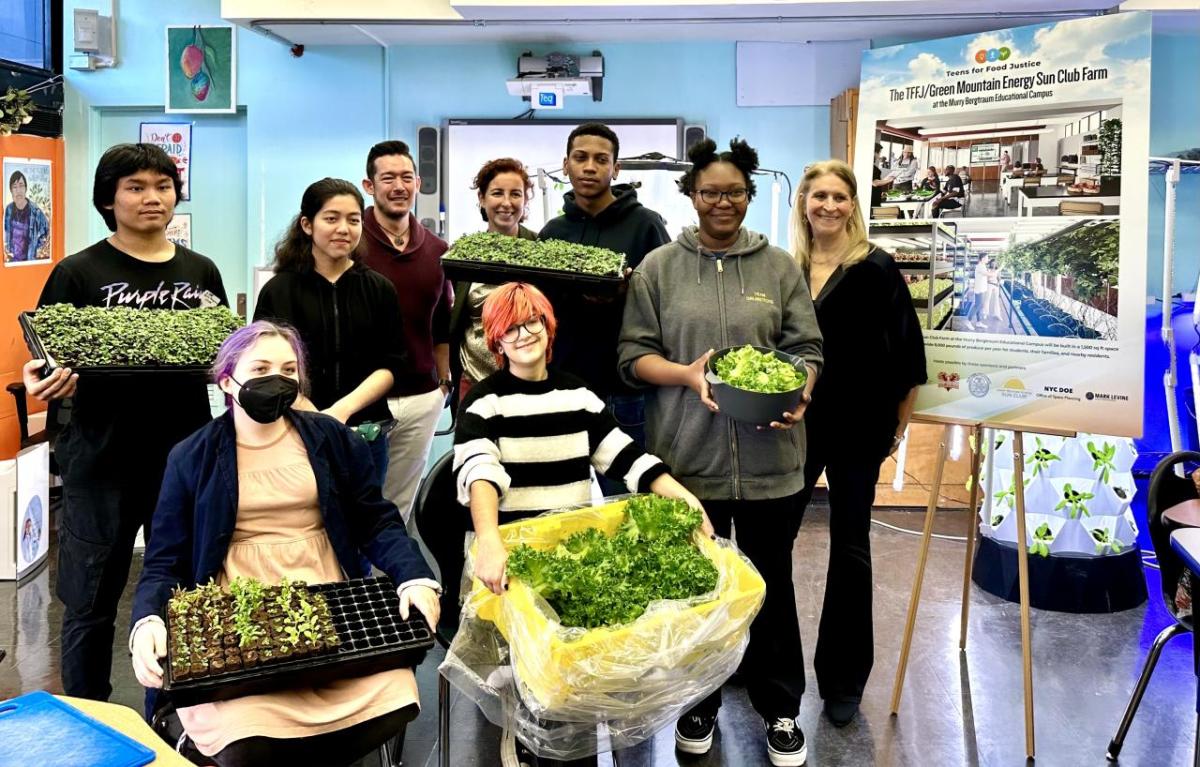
[588,327]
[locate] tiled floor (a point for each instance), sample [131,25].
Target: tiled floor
[958,709]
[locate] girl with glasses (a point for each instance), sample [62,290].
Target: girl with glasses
[529,436]
[721,285]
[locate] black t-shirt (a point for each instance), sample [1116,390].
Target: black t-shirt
[121,426]
[876,191]
[954,183]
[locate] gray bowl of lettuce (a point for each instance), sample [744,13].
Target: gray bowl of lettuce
[755,384]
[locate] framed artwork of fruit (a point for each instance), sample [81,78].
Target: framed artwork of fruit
[201,69]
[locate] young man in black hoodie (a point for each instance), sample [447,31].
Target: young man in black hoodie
[597,213]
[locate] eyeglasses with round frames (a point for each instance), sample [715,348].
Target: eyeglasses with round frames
[533,326]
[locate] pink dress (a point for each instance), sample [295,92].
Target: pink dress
[280,531]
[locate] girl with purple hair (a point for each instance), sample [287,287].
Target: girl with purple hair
[268,491]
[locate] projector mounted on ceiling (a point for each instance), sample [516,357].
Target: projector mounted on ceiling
[545,80]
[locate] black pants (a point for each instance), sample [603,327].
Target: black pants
[95,545]
[846,640]
[773,667]
[339,747]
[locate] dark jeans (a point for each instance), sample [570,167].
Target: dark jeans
[95,546]
[773,667]
[846,640]
[629,410]
[339,747]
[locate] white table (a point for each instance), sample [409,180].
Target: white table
[1026,204]
[1007,183]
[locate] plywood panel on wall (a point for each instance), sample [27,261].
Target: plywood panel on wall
[843,123]
[21,285]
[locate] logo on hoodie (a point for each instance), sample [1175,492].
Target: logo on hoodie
[760,297]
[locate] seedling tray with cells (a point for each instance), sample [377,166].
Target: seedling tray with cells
[271,638]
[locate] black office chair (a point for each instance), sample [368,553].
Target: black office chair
[1166,490]
[443,524]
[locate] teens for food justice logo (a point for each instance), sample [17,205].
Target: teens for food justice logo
[983,56]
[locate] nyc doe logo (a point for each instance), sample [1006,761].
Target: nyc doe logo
[992,54]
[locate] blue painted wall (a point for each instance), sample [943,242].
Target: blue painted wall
[693,81]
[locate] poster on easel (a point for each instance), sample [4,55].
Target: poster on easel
[1025,252]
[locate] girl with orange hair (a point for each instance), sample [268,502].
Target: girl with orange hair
[528,436]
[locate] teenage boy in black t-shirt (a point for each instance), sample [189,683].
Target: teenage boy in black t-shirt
[118,427]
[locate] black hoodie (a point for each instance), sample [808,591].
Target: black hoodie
[586,341]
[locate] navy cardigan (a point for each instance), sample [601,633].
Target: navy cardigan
[197,508]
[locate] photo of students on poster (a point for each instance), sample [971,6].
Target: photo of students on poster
[28,213]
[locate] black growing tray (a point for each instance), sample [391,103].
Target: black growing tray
[493,273]
[373,638]
[38,352]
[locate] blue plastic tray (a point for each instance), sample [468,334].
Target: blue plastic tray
[38,729]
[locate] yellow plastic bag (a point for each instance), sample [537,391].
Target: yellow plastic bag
[554,685]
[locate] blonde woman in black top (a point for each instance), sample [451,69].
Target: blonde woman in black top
[874,360]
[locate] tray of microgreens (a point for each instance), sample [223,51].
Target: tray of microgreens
[252,638]
[123,339]
[493,258]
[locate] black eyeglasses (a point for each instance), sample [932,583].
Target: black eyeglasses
[712,196]
[533,326]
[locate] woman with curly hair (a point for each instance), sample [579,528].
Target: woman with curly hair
[721,285]
[504,190]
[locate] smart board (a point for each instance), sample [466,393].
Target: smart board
[541,144]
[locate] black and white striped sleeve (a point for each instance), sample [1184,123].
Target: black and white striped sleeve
[618,457]
[476,453]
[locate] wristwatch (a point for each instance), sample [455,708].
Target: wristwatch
[445,382]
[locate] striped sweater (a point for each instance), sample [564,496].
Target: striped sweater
[536,441]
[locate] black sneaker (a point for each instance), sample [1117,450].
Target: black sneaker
[785,743]
[694,733]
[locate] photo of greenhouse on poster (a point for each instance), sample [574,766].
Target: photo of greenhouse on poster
[1027,266]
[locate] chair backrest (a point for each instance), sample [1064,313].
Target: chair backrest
[1166,490]
[1066,178]
[887,211]
[1073,208]
[1031,181]
[442,521]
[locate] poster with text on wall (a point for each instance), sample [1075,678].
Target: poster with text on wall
[176,140]
[179,231]
[1010,183]
[28,202]
[201,69]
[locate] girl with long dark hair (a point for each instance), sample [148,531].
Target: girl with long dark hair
[348,315]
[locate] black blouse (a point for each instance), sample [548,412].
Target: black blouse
[350,329]
[874,354]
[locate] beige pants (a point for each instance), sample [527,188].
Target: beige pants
[408,446]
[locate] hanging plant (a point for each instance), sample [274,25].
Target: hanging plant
[16,109]
[1110,147]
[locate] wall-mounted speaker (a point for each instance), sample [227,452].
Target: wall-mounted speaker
[429,168]
[692,135]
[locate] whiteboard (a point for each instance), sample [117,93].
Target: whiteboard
[468,144]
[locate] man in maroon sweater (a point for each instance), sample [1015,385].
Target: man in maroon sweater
[396,245]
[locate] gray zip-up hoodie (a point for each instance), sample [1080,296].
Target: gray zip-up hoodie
[684,300]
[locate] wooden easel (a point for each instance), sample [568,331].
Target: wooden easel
[972,534]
